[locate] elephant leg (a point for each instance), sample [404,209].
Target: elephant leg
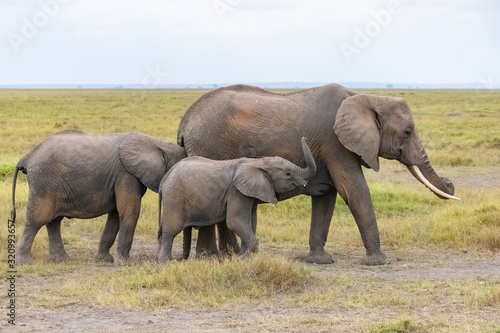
[165,252]
[128,205]
[186,242]
[239,220]
[172,223]
[357,196]
[40,212]
[322,211]
[228,244]
[56,246]
[128,222]
[254,227]
[206,244]
[108,237]
[24,244]
[254,218]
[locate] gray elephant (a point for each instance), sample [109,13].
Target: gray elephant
[345,130]
[199,192]
[78,175]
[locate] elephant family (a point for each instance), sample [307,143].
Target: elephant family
[345,130]
[78,175]
[198,192]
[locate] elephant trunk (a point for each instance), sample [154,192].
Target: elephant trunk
[416,160]
[442,187]
[310,170]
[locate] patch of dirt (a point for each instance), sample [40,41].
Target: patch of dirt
[418,263]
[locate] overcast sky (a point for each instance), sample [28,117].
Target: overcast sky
[241,41]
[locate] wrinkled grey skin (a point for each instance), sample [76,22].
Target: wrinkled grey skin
[345,131]
[199,192]
[78,175]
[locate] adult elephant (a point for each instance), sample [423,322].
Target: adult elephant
[74,174]
[345,131]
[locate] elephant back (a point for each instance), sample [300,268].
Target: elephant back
[243,121]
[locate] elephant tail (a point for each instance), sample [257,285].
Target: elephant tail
[186,242]
[14,182]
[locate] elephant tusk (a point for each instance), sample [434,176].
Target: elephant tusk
[418,174]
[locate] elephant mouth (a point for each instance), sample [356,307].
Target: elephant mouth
[415,171]
[295,185]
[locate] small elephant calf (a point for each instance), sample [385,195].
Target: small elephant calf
[200,192]
[79,175]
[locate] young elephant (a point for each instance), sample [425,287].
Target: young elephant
[200,192]
[78,175]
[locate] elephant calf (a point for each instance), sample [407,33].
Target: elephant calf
[78,175]
[199,192]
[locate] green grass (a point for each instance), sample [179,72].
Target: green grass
[401,325]
[460,130]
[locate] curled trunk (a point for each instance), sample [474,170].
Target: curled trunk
[310,170]
[424,173]
[416,160]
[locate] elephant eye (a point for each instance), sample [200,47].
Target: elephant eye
[288,173]
[407,132]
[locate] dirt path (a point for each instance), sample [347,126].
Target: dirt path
[274,315]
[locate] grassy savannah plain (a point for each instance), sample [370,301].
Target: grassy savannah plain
[444,274]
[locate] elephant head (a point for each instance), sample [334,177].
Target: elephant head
[148,158]
[373,126]
[264,177]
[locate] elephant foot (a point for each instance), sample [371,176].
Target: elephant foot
[228,254]
[104,257]
[375,259]
[319,257]
[207,254]
[244,256]
[59,258]
[163,259]
[231,251]
[123,261]
[23,259]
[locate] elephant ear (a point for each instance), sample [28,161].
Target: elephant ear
[253,181]
[358,128]
[148,158]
